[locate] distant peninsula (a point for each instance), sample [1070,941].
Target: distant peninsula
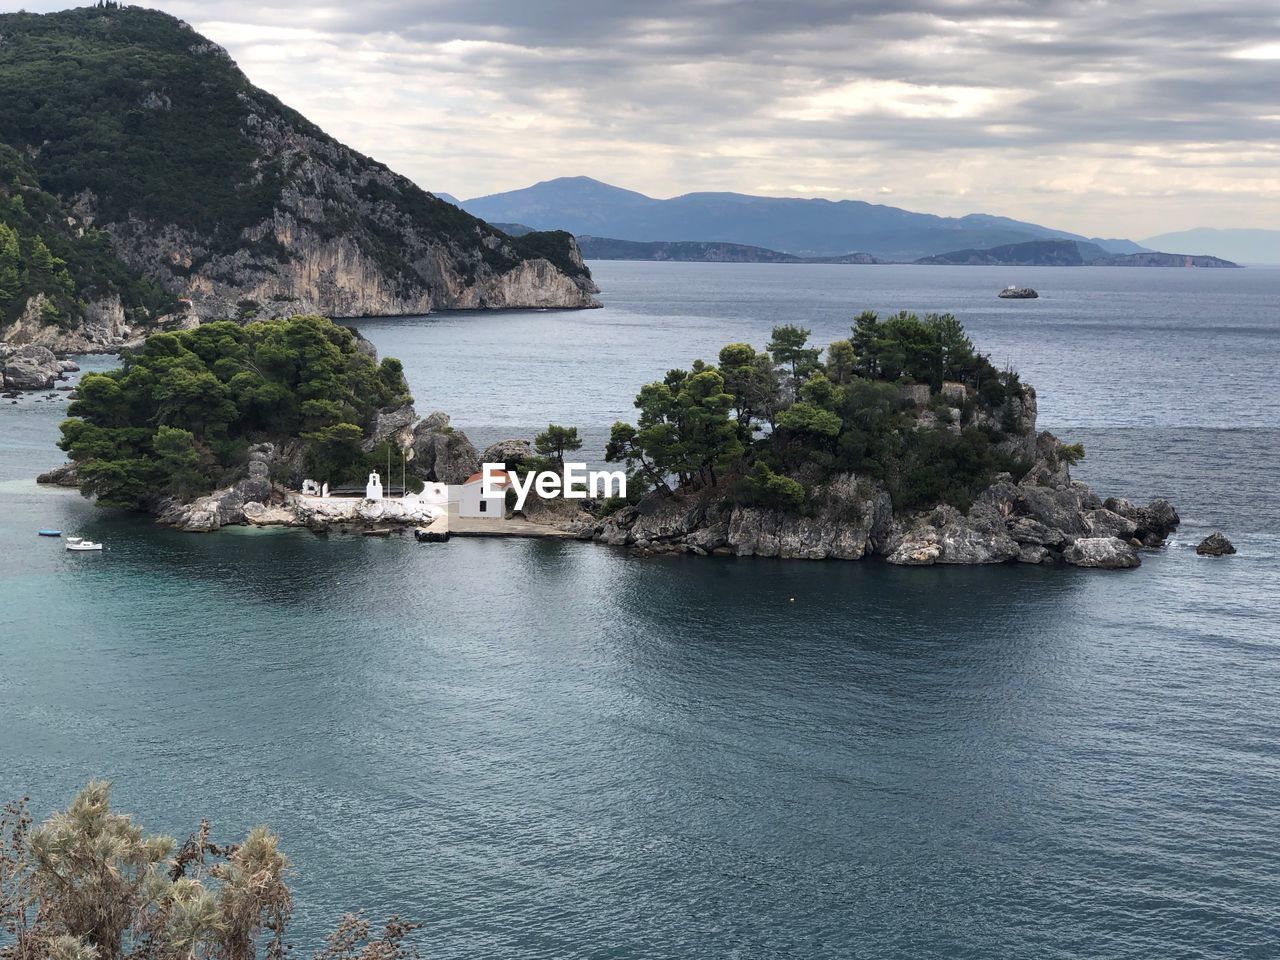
[1068,253]
[601,248]
[1032,253]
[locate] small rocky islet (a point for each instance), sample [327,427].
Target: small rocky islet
[781,494]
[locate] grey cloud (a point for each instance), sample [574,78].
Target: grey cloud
[705,78]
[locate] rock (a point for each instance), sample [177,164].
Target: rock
[1153,523]
[395,425]
[1103,553]
[1033,554]
[1017,293]
[1215,545]
[434,421]
[266,514]
[853,518]
[511,453]
[204,514]
[102,328]
[68,366]
[955,392]
[30,367]
[1105,523]
[441,453]
[945,535]
[1031,532]
[61,476]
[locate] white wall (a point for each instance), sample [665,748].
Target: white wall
[471,504]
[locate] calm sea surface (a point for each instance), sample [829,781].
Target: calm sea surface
[557,750]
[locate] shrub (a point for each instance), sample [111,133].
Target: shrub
[89,884]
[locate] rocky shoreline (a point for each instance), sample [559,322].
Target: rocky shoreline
[1044,517]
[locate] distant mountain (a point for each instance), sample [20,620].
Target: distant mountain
[1242,245]
[695,251]
[1067,253]
[801,227]
[1119,246]
[202,185]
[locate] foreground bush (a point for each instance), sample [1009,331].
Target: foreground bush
[88,884]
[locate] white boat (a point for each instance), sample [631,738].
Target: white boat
[78,545]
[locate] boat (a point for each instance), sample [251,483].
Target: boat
[82,545]
[75,539]
[49,533]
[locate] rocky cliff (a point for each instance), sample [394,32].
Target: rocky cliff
[1044,517]
[213,190]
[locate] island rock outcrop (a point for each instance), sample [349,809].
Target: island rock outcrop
[30,367]
[1043,518]
[1215,545]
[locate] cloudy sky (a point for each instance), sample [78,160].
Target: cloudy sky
[1122,118]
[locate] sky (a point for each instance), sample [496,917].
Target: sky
[1099,117]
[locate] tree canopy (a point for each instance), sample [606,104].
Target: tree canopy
[178,416]
[781,421]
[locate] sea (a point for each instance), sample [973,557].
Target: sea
[547,749]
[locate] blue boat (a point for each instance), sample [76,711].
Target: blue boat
[49,533]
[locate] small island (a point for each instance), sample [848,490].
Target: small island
[1018,293]
[900,441]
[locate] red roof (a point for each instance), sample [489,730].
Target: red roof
[499,479]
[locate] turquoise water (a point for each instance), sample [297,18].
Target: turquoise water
[549,749]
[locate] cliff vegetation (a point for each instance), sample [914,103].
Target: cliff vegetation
[58,264]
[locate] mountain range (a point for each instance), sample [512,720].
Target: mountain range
[146,177]
[803,228]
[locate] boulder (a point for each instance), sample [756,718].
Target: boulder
[1215,545]
[441,453]
[1033,554]
[1105,523]
[204,514]
[395,425]
[1103,553]
[1031,532]
[1153,523]
[955,392]
[512,453]
[30,367]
